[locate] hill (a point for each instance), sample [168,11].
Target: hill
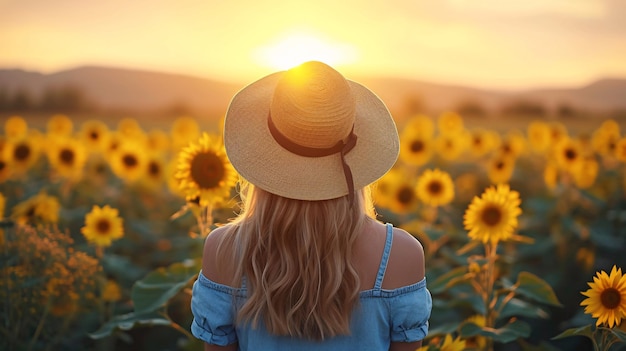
[137,90]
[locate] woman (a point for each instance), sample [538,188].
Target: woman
[305,265]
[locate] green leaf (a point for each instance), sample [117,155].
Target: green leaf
[129,321]
[510,332]
[154,291]
[447,280]
[535,288]
[519,308]
[580,331]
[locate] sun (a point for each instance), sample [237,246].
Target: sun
[296,47]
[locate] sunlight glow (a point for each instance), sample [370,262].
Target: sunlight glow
[298,47]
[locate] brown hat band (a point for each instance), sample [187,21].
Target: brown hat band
[341,147]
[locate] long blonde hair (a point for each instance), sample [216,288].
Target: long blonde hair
[296,257]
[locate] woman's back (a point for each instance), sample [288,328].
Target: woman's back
[393,307]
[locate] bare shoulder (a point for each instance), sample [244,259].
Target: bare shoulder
[406,261]
[212,268]
[213,240]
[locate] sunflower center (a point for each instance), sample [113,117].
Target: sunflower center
[478,141]
[405,195]
[100,168]
[570,154]
[417,146]
[610,298]
[67,156]
[499,165]
[435,187]
[2,165]
[207,170]
[491,215]
[612,145]
[103,226]
[130,161]
[21,152]
[154,169]
[94,135]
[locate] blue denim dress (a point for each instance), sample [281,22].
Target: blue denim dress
[381,317]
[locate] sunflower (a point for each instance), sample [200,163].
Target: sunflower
[620,149]
[15,127]
[5,168]
[421,125]
[204,172]
[568,155]
[450,146]
[450,344]
[610,126]
[587,173]
[606,298]
[60,126]
[558,131]
[480,142]
[158,141]
[493,216]
[102,226]
[130,128]
[112,144]
[500,168]
[94,134]
[67,157]
[154,176]
[402,195]
[21,154]
[435,188]
[538,134]
[415,148]
[514,144]
[604,141]
[184,129]
[450,123]
[40,208]
[128,161]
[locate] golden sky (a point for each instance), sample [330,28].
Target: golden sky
[484,43]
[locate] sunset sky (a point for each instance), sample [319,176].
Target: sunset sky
[512,44]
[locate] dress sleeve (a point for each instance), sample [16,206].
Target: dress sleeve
[410,312]
[212,306]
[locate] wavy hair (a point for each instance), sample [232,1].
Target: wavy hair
[296,257]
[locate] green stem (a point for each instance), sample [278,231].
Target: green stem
[40,325]
[490,313]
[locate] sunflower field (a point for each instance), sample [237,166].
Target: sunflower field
[103,222]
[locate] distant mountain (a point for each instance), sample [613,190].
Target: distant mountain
[115,88]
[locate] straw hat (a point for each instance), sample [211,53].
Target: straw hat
[309,134]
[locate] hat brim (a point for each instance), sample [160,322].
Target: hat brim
[259,159]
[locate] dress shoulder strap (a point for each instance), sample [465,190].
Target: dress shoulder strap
[383,262]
